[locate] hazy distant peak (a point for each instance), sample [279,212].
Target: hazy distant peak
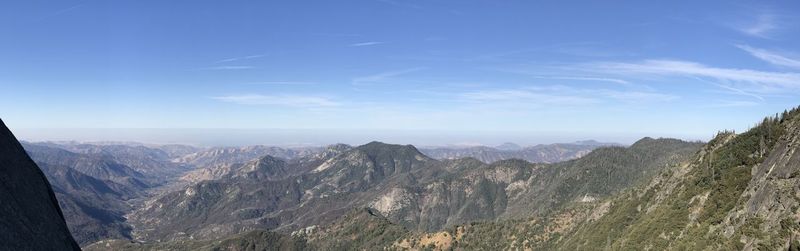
[590,142]
[649,141]
[508,146]
[338,147]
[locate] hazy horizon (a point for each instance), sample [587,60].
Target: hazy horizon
[204,137]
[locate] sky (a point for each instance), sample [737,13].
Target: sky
[418,71]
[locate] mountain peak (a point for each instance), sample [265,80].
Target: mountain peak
[508,146]
[376,148]
[266,167]
[591,142]
[338,147]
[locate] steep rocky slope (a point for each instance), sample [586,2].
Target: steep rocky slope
[740,192]
[30,218]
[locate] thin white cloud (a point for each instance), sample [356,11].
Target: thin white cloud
[229,67]
[546,72]
[227,60]
[732,90]
[763,25]
[62,11]
[279,100]
[771,57]
[68,9]
[382,77]
[756,81]
[366,44]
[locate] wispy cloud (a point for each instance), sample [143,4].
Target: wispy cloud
[227,60]
[732,90]
[279,100]
[229,67]
[382,77]
[760,81]
[580,78]
[366,44]
[68,9]
[62,11]
[764,23]
[771,57]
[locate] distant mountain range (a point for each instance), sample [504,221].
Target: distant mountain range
[536,154]
[123,191]
[398,181]
[103,188]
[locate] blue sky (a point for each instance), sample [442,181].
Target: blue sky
[613,70]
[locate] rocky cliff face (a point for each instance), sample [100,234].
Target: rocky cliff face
[769,205]
[30,217]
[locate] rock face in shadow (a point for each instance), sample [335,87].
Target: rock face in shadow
[30,218]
